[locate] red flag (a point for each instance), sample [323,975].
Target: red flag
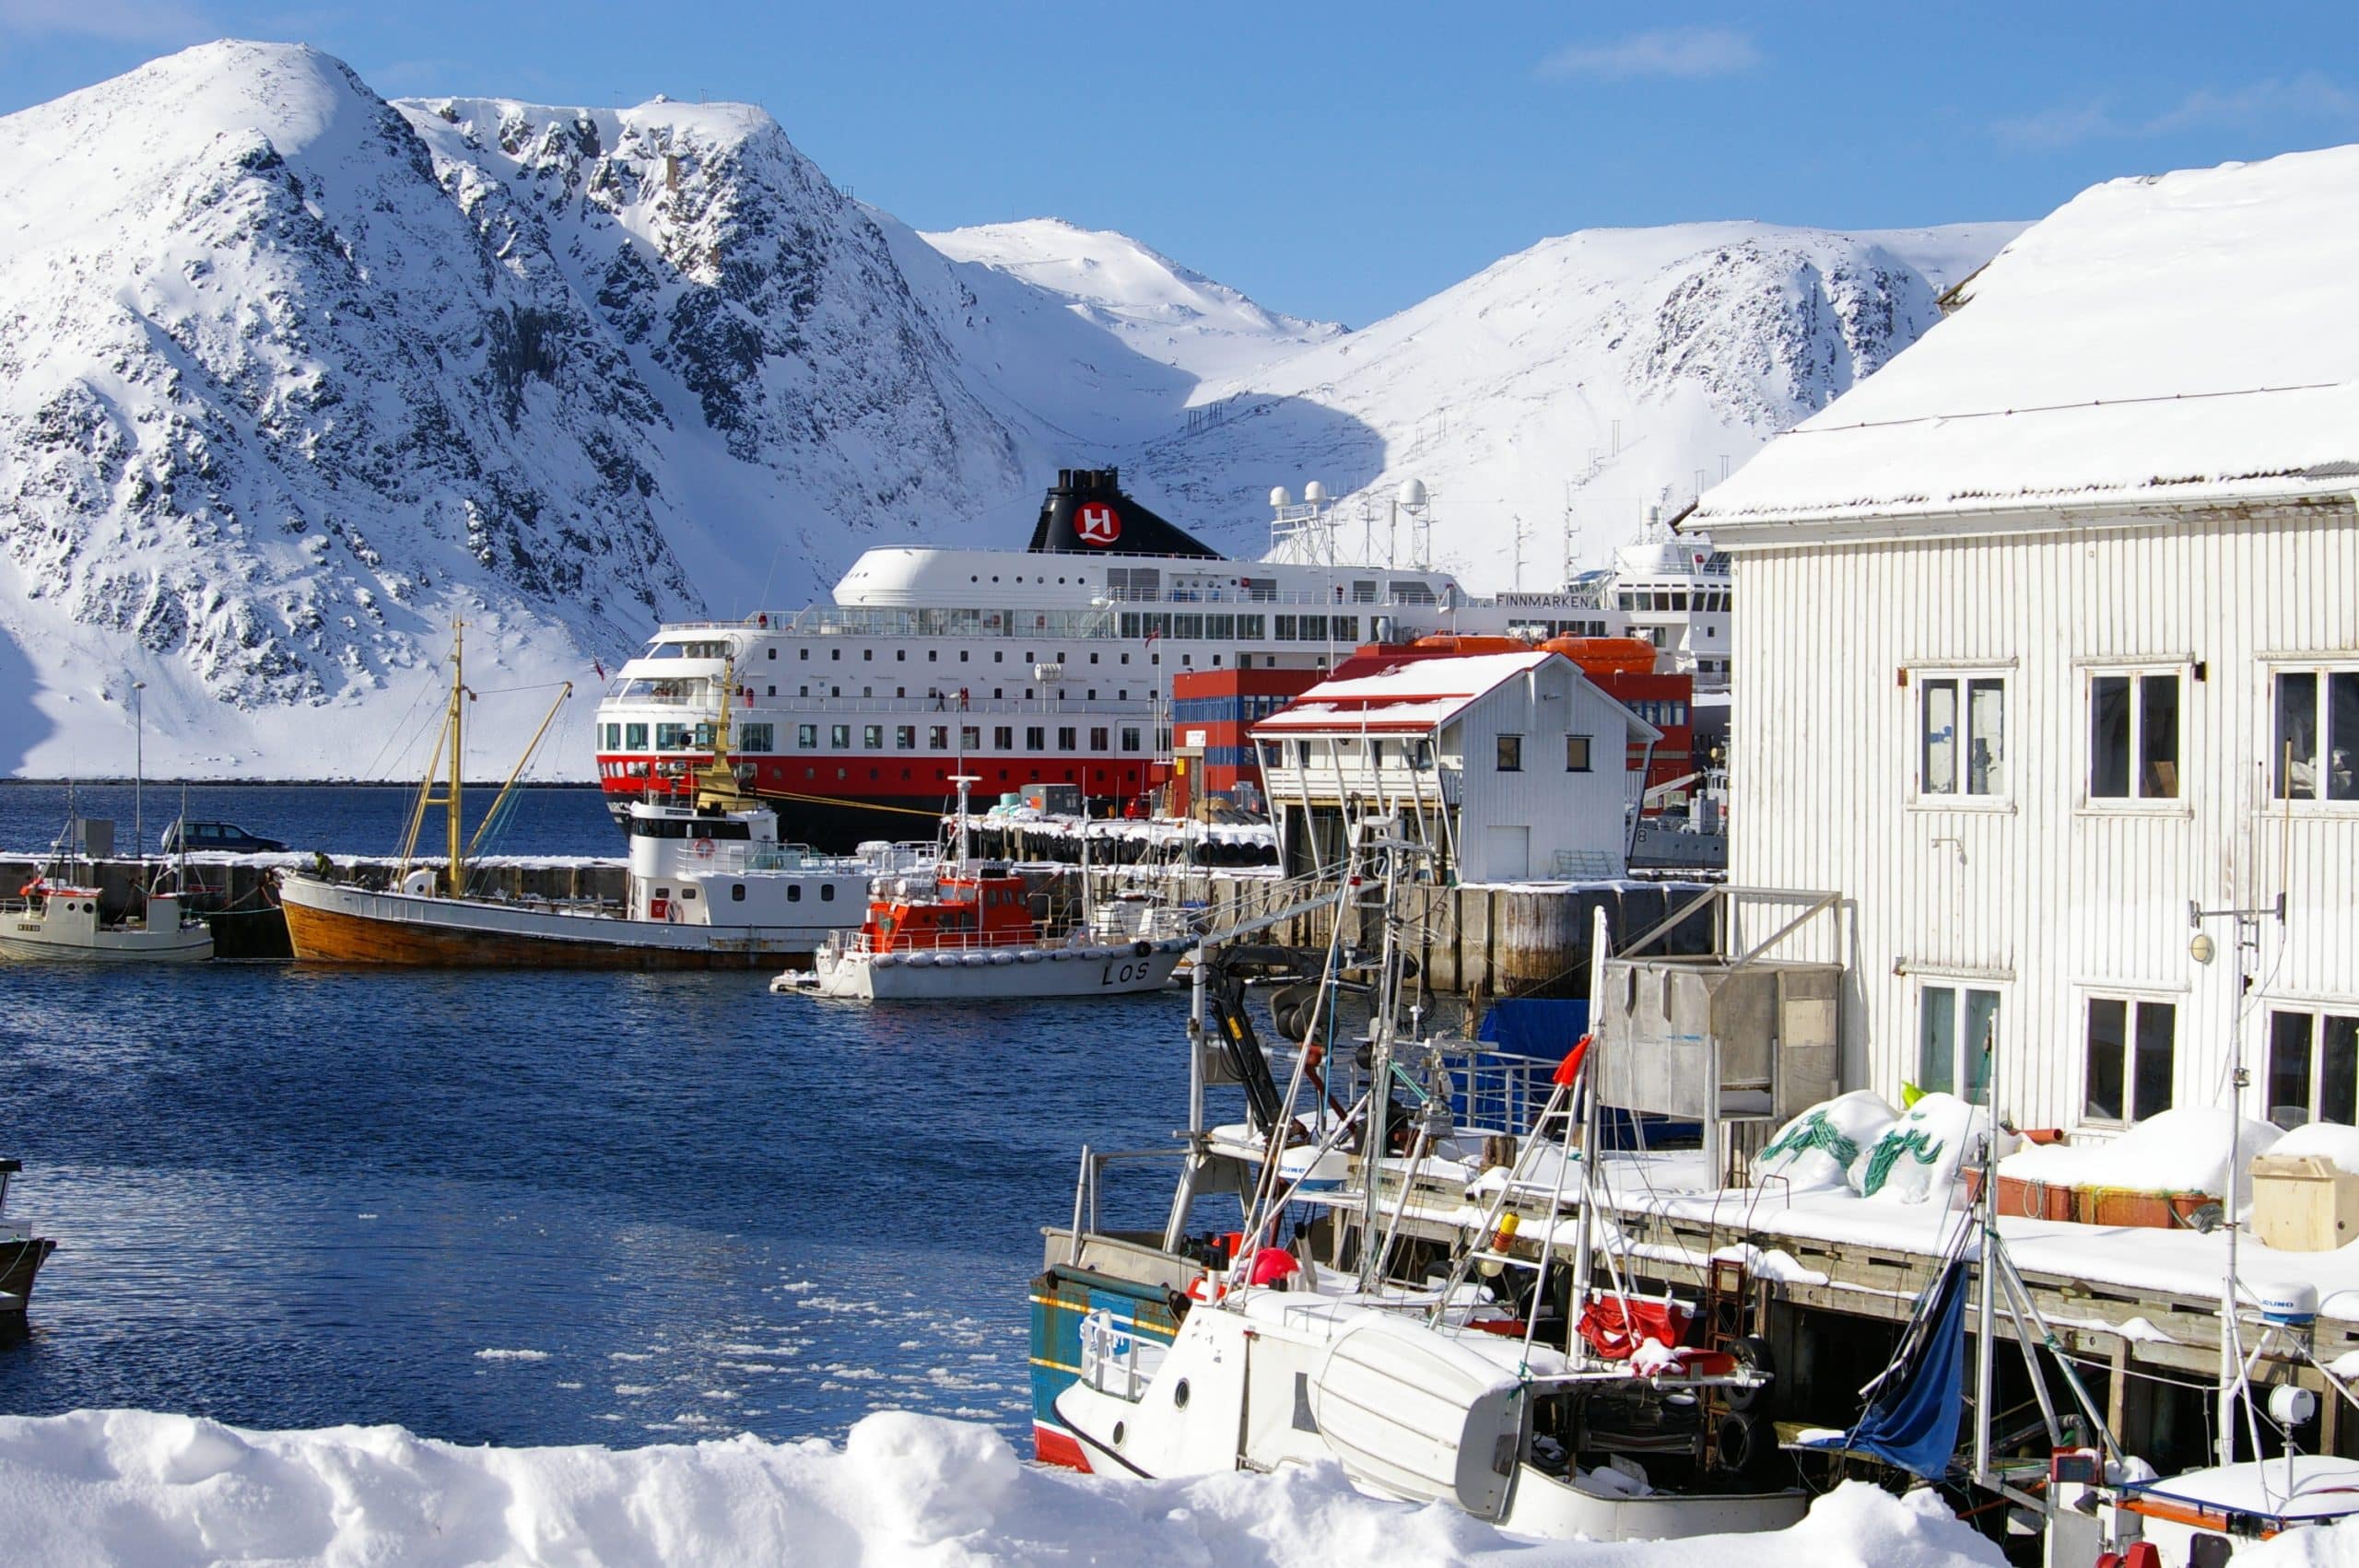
[1569,1069]
[600,668]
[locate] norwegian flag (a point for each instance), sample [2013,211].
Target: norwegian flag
[1153,635]
[601,668]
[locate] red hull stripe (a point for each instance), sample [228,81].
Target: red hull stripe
[890,775]
[1052,1445]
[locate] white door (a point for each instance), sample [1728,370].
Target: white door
[1507,854]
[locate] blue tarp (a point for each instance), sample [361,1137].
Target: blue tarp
[1534,1028]
[1913,1420]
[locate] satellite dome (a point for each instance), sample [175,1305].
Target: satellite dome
[1279,497]
[1313,492]
[1413,492]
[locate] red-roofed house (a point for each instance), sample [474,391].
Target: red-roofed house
[1514,765]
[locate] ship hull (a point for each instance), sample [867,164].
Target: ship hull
[336,923]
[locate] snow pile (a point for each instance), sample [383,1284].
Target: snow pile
[2175,1150]
[2328,1141]
[1819,1147]
[2330,1546]
[132,1489]
[2179,336]
[1918,1156]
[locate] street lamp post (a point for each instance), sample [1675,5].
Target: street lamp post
[139,768]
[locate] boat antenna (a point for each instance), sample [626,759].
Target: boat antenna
[965,782]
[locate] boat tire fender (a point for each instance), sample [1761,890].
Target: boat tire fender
[1143,949]
[1737,1441]
[1753,1354]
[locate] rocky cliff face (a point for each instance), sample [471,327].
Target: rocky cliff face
[293,375]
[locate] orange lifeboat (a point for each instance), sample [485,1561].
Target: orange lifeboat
[1605,655]
[1449,642]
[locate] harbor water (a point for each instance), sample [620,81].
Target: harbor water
[535,1208]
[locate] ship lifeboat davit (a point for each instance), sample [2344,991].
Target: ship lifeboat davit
[1451,642]
[1605,655]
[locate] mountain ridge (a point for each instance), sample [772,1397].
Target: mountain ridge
[301,374]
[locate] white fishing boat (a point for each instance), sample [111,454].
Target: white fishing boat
[1479,1376]
[58,916]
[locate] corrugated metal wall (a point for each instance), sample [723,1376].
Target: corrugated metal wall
[2042,895]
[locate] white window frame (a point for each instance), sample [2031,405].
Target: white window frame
[2318,1012]
[2322,666]
[2134,672]
[1921,680]
[1963,1050]
[2133,1001]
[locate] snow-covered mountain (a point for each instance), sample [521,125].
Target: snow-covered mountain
[1576,383]
[293,375]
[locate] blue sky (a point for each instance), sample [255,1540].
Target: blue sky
[1345,160]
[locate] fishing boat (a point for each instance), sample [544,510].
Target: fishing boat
[967,930]
[21,1255]
[709,885]
[59,915]
[1483,1375]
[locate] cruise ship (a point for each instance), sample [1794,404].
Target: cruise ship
[1051,664]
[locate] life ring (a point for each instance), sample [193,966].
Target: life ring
[1143,949]
[704,849]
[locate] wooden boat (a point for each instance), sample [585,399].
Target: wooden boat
[709,887]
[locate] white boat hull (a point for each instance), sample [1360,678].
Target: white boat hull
[64,927]
[1000,973]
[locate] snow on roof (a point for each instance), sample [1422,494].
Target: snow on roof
[2181,337]
[1416,696]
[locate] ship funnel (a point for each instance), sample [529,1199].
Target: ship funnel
[1086,513]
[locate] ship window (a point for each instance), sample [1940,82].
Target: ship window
[687,894]
[1002,737]
[793,893]
[1093,693]
[867,655]
[837,654]
[871,737]
[905,736]
[840,734]
[1363,593]
[1097,739]
[826,892]
[1036,738]
[1130,739]
[771,653]
[634,737]
[754,737]
[772,692]
[807,736]
[804,654]
[1093,659]
[1065,737]
[938,737]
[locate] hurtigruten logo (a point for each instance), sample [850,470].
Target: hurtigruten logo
[1097,523]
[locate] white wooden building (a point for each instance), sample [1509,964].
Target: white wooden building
[1515,767]
[2051,634]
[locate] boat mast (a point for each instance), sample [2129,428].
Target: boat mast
[458,746]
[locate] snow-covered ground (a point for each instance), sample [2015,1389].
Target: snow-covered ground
[132,1489]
